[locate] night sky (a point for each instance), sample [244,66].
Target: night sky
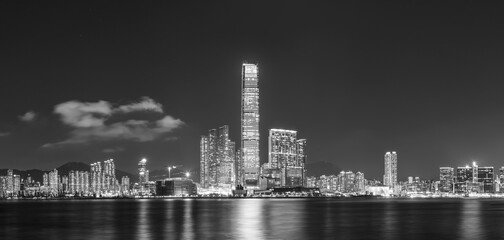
[126,80]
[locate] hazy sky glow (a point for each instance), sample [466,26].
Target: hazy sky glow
[86,82]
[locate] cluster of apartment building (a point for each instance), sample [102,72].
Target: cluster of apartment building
[99,181]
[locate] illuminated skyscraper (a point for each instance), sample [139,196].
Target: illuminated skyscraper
[390,176]
[250,124]
[109,175]
[53,181]
[143,173]
[10,181]
[486,178]
[446,177]
[282,148]
[204,161]
[288,154]
[217,159]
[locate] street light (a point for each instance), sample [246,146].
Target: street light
[187,174]
[169,170]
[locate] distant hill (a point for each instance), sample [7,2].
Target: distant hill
[37,175]
[317,169]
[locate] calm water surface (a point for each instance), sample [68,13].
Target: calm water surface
[253,219]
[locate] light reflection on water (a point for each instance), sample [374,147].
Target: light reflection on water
[252,219]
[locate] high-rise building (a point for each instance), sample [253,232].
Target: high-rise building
[464,175]
[250,124]
[239,167]
[287,153]
[360,182]
[302,157]
[217,159]
[96,178]
[109,175]
[204,161]
[125,184]
[53,182]
[143,173]
[446,177]
[10,181]
[390,176]
[486,178]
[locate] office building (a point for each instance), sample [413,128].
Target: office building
[143,173]
[446,179]
[217,159]
[250,125]
[287,153]
[390,176]
[486,178]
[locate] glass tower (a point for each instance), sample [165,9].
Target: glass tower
[390,176]
[250,124]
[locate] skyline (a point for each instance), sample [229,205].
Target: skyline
[424,82]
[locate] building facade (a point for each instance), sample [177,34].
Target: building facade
[390,172]
[217,159]
[446,179]
[250,125]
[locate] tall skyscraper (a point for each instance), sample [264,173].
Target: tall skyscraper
[250,124]
[390,176]
[143,173]
[486,178]
[446,177]
[282,148]
[287,153]
[217,159]
[204,161]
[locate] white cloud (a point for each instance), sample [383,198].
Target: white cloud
[81,114]
[89,122]
[28,116]
[113,150]
[4,134]
[145,104]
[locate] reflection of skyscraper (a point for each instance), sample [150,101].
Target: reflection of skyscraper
[250,124]
[390,176]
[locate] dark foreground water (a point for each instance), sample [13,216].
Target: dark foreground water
[253,219]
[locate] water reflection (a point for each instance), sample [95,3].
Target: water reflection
[470,226]
[252,219]
[248,216]
[143,220]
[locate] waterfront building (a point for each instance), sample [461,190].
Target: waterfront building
[176,187]
[125,184]
[468,179]
[486,178]
[143,173]
[53,182]
[360,183]
[287,153]
[45,180]
[500,180]
[390,176]
[96,178]
[204,161]
[16,184]
[302,157]
[311,182]
[446,179]
[109,176]
[217,159]
[250,124]
[239,167]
